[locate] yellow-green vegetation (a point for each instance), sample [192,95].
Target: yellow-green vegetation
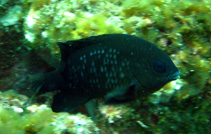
[181,28]
[114,113]
[38,119]
[51,21]
[15,123]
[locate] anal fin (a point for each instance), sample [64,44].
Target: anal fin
[68,101]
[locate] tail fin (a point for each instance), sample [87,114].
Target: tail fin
[43,83]
[47,82]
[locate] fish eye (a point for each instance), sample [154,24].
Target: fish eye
[159,67]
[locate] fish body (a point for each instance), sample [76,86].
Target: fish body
[117,67]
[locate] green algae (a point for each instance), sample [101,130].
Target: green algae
[180,28]
[38,119]
[15,123]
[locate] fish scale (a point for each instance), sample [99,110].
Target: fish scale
[117,67]
[94,75]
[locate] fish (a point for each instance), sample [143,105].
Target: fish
[116,67]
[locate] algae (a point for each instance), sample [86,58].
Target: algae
[181,28]
[38,118]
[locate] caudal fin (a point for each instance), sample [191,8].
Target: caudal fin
[43,83]
[47,82]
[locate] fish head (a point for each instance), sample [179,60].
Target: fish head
[154,70]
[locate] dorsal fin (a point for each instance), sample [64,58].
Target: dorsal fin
[69,47]
[93,40]
[64,47]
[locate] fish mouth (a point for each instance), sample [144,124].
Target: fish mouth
[174,76]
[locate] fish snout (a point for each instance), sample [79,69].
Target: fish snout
[174,75]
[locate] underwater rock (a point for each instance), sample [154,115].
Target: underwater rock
[39,118]
[180,28]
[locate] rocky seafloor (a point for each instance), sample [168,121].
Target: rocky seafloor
[29,30]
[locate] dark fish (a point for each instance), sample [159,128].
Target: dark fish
[118,67]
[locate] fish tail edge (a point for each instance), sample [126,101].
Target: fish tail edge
[47,82]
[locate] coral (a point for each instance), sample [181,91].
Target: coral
[12,16]
[181,28]
[114,113]
[162,22]
[38,118]
[167,92]
[44,27]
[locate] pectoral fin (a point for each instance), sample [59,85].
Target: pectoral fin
[120,94]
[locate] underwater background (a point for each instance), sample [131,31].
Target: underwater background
[29,30]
